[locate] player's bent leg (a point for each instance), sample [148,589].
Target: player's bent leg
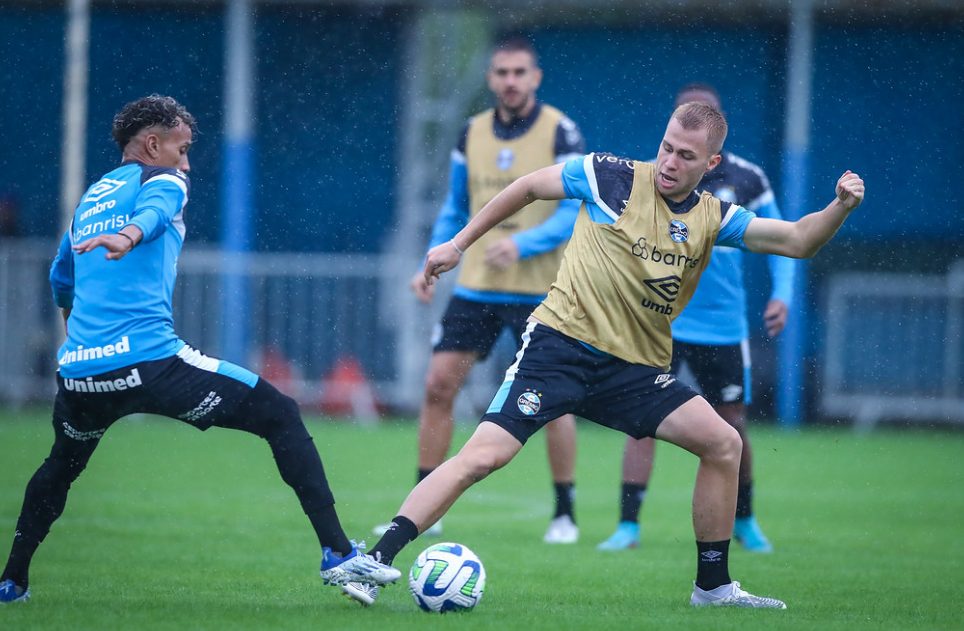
[447,373]
[561,447]
[695,427]
[44,501]
[746,529]
[735,415]
[268,413]
[490,448]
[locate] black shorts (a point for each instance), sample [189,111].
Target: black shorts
[555,374]
[722,373]
[189,386]
[475,326]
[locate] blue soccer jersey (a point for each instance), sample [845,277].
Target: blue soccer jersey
[121,310]
[716,314]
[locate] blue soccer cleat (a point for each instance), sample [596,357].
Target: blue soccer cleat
[355,566]
[11,593]
[748,533]
[625,538]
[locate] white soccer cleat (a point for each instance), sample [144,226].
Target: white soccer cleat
[435,530]
[562,530]
[731,595]
[356,566]
[365,593]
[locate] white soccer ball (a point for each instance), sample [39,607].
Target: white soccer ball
[447,577]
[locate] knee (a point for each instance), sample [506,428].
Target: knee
[440,387]
[725,446]
[58,472]
[274,414]
[478,462]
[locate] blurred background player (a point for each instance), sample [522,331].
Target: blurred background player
[121,355]
[508,273]
[710,340]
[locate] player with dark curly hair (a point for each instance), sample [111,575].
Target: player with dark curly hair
[121,355]
[151,111]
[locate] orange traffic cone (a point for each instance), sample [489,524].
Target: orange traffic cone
[276,368]
[347,392]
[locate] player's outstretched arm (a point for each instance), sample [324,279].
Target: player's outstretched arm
[542,184]
[804,237]
[117,244]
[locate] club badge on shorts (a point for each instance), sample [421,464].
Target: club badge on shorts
[529,403]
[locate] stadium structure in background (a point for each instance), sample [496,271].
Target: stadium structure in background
[330,151]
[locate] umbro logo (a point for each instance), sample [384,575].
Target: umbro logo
[664,380]
[666,287]
[711,556]
[102,189]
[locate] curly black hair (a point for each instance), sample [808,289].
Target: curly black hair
[147,112]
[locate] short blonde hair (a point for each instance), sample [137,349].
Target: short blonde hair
[695,115]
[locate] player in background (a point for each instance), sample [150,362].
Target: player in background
[121,355]
[508,274]
[710,338]
[600,344]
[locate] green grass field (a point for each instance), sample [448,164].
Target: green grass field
[172,529]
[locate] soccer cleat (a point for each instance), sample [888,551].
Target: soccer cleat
[562,530]
[11,593]
[356,566]
[435,530]
[731,595]
[365,593]
[747,531]
[625,538]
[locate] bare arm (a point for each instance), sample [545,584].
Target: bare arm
[542,184]
[117,244]
[804,237]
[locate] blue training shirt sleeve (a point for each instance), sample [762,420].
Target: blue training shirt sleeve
[455,211]
[733,227]
[551,233]
[782,268]
[158,202]
[575,181]
[62,274]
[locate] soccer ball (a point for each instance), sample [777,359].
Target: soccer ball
[447,577]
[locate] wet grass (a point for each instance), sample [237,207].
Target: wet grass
[172,529]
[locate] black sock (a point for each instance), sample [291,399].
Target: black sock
[18,564]
[712,564]
[565,494]
[424,473]
[744,500]
[328,528]
[630,501]
[401,532]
